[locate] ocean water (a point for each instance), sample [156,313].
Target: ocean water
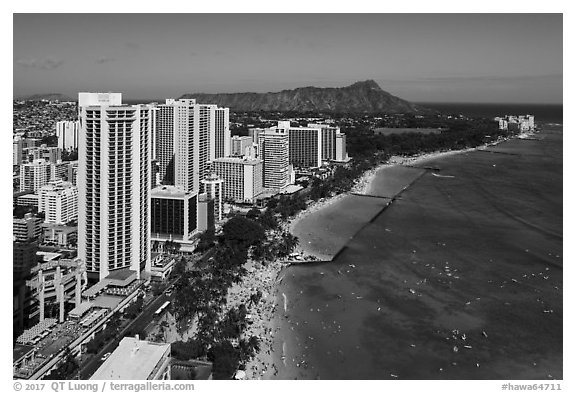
[459,278]
[545,113]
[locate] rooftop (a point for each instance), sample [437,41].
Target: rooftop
[169,192]
[49,256]
[60,227]
[20,350]
[133,360]
[121,274]
[239,160]
[107,301]
[81,309]
[292,189]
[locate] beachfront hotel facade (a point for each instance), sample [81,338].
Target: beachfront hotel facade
[114,182]
[67,133]
[173,213]
[333,143]
[242,178]
[304,145]
[273,151]
[309,147]
[516,123]
[188,136]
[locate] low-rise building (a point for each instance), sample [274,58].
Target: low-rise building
[161,267]
[136,359]
[50,154]
[36,174]
[60,235]
[59,202]
[27,228]
[26,198]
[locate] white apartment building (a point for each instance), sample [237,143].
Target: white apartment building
[36,174]
[254,132]
[59,202]
[341,153]
[67,133]
[221,132]
[212,186]
[242,177]
[305,145]
[114,182]
[273,151]
[521,123]
[240,144]
[52,154]
[188,137]
[164,143]
[17,153]
[333,143]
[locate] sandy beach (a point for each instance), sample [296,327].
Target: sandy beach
[259,278]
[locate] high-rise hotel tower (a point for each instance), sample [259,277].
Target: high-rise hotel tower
[189,136]
[114,179]
[273,151]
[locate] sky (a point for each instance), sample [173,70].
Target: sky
[508,58]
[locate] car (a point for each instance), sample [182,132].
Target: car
[169,292]
[106,356]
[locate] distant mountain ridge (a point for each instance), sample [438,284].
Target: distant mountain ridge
[49,97]
[360,97]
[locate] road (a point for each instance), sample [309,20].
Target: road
[136,325]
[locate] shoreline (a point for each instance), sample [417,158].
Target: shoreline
[261,278]
[267,362]
[364,183]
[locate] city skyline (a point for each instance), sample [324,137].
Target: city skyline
[512,58]
[401,221]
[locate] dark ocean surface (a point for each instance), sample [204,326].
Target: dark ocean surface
[543,113]
[459,278]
